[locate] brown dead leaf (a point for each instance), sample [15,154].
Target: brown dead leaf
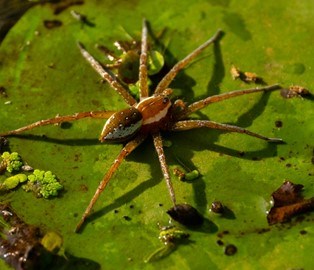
[288,202]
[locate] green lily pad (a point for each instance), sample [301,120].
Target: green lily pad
[43,75]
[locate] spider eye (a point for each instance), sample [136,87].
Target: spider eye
[165,100]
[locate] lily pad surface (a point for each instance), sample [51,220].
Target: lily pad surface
[42,74]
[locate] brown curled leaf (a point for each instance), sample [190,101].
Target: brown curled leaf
[288,202]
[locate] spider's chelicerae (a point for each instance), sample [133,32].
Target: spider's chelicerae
[150,115]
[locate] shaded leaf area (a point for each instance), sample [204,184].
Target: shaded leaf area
[21,247]
[288,202]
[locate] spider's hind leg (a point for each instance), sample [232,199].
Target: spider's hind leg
[192,124]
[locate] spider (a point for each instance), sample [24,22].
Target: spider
[149,116]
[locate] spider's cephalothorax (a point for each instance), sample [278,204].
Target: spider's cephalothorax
[149,116]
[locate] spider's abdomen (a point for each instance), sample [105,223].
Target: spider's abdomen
[154,111]
[122,125]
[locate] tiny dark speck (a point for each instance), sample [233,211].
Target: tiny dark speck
[278,124]
[116,211]
[288,165]
[127,218]
[230,250]
[52,23]
[302,232]
[220,242]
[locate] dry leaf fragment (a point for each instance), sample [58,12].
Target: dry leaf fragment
[288,202]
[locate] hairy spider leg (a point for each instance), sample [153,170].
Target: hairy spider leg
[198,105]
[192,124]
[126,150]
[163,164]
[167,79]
[60,119]
[106,74]
[143,63]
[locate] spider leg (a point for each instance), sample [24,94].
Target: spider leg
[191,124]
[167,79]
[164,167]
[143,63]
[198,105]
[108,76]
[60,119]
[126,150]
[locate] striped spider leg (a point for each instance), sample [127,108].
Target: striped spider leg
[183,123]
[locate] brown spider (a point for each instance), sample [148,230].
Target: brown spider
[151,115]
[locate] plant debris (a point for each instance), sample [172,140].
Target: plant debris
[170,236]
[288,202]
[217,207]
[50,24]
[294,91]
[245,76]
[26,247]
[82,18]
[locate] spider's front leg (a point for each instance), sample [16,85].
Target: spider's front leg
[60,119]
[192,124]
[126,150]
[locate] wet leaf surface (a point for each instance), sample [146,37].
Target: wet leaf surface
[43,75]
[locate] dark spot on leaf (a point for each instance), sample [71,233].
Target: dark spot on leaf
[50,24]
[220,242]
[288,165]
[83,188]
[263,230]
[288,202]
[3,92]
[186,215]
[116,211]
[3,144]
[302,232]
[278,123]
[127,218]
[222,234]
[230,250]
